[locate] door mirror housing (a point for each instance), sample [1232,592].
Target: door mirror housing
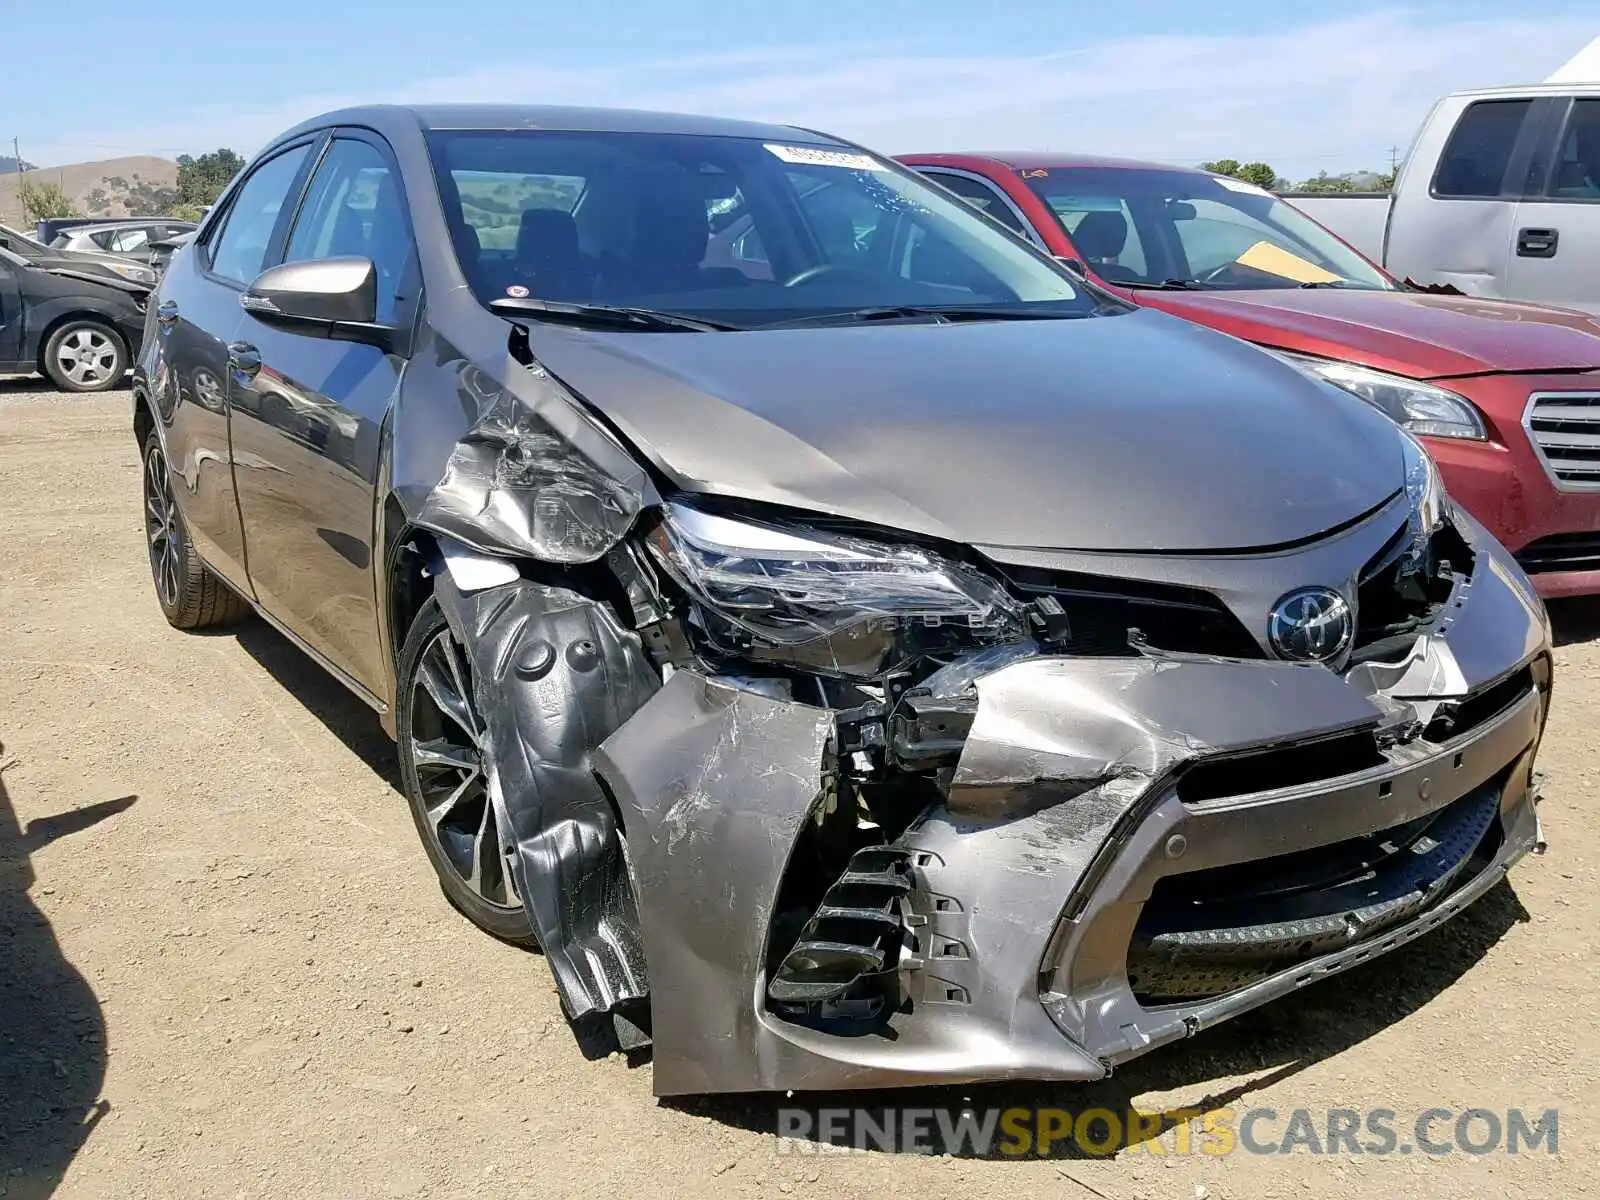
[324,297]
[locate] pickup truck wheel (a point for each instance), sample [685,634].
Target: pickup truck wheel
[85,356]
[443,770]
[191,597]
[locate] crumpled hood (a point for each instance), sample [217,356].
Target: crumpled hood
[1418,335]
[1137,432]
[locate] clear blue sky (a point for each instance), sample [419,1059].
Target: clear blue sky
[1307,86]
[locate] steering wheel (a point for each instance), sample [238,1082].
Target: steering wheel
[817,272]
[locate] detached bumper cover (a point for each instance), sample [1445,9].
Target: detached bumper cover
[1084,786]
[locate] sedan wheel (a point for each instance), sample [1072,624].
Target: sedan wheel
[443,761]
[85,356]
[161,530]
[191,596]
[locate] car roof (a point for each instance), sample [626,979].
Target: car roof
[1034,160]
[384,117]
[126,223]
[1531,90]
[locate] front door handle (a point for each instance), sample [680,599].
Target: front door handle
[1537,243]
[244,360]
[167,313]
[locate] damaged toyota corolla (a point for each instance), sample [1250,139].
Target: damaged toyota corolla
[855,650]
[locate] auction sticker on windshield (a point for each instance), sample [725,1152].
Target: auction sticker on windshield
[1238,185]
[816,156]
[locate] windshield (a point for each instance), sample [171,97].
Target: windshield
[736,231]
[1181,228]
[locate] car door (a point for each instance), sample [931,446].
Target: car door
[196,317]
[12,321]
[308,413]
[1555,249]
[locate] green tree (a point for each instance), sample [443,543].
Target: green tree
[1258,173]
[1323,182]
[42,201]
[201,180]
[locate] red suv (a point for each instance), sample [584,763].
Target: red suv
[1505,395]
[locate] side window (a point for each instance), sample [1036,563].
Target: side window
[1577,171]
[1103,232]
[842,219]
[239,250]
[735,240]
[1476,157]
[353,209]
[1219,234]
[125,240]
[980,195]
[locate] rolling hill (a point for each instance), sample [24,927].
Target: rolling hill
[115,187]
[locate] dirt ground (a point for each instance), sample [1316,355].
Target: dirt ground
[226,970]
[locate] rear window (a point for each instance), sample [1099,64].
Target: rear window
[1478,154]
[1577,171]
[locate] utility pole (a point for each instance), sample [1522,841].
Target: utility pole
[1394,159]
[16,154]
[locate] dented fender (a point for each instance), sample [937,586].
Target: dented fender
[553,673]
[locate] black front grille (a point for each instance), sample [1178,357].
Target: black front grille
[1287,766]
[1101,610]
[1400,592]
[1561,552]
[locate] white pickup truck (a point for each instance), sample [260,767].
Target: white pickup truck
[1499,197]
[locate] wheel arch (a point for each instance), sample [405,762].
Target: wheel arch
[144,417]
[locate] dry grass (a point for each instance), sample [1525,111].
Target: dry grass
[78,180]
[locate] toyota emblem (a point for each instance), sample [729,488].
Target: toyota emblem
[1311,624]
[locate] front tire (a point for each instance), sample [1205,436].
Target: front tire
[191,597]
[443,748]
[85,356]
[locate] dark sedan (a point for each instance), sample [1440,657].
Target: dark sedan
[877,657]
[79,331]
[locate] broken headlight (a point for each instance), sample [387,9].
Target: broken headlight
[1424,487]
[1417,407]
[1430,504]
[832,604]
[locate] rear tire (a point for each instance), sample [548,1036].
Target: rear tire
[85,356]
[442,748]
[191,597]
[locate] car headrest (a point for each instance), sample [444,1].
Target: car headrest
[1101,235]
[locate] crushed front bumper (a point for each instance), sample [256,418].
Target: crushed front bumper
[1085,787]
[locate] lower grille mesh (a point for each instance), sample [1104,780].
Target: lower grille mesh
[1210,932]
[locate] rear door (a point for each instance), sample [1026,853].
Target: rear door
[1555,253]
[1455,224]
[196,316]
[308,414]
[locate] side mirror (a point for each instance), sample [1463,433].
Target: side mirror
[1073,264]
[326,297]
